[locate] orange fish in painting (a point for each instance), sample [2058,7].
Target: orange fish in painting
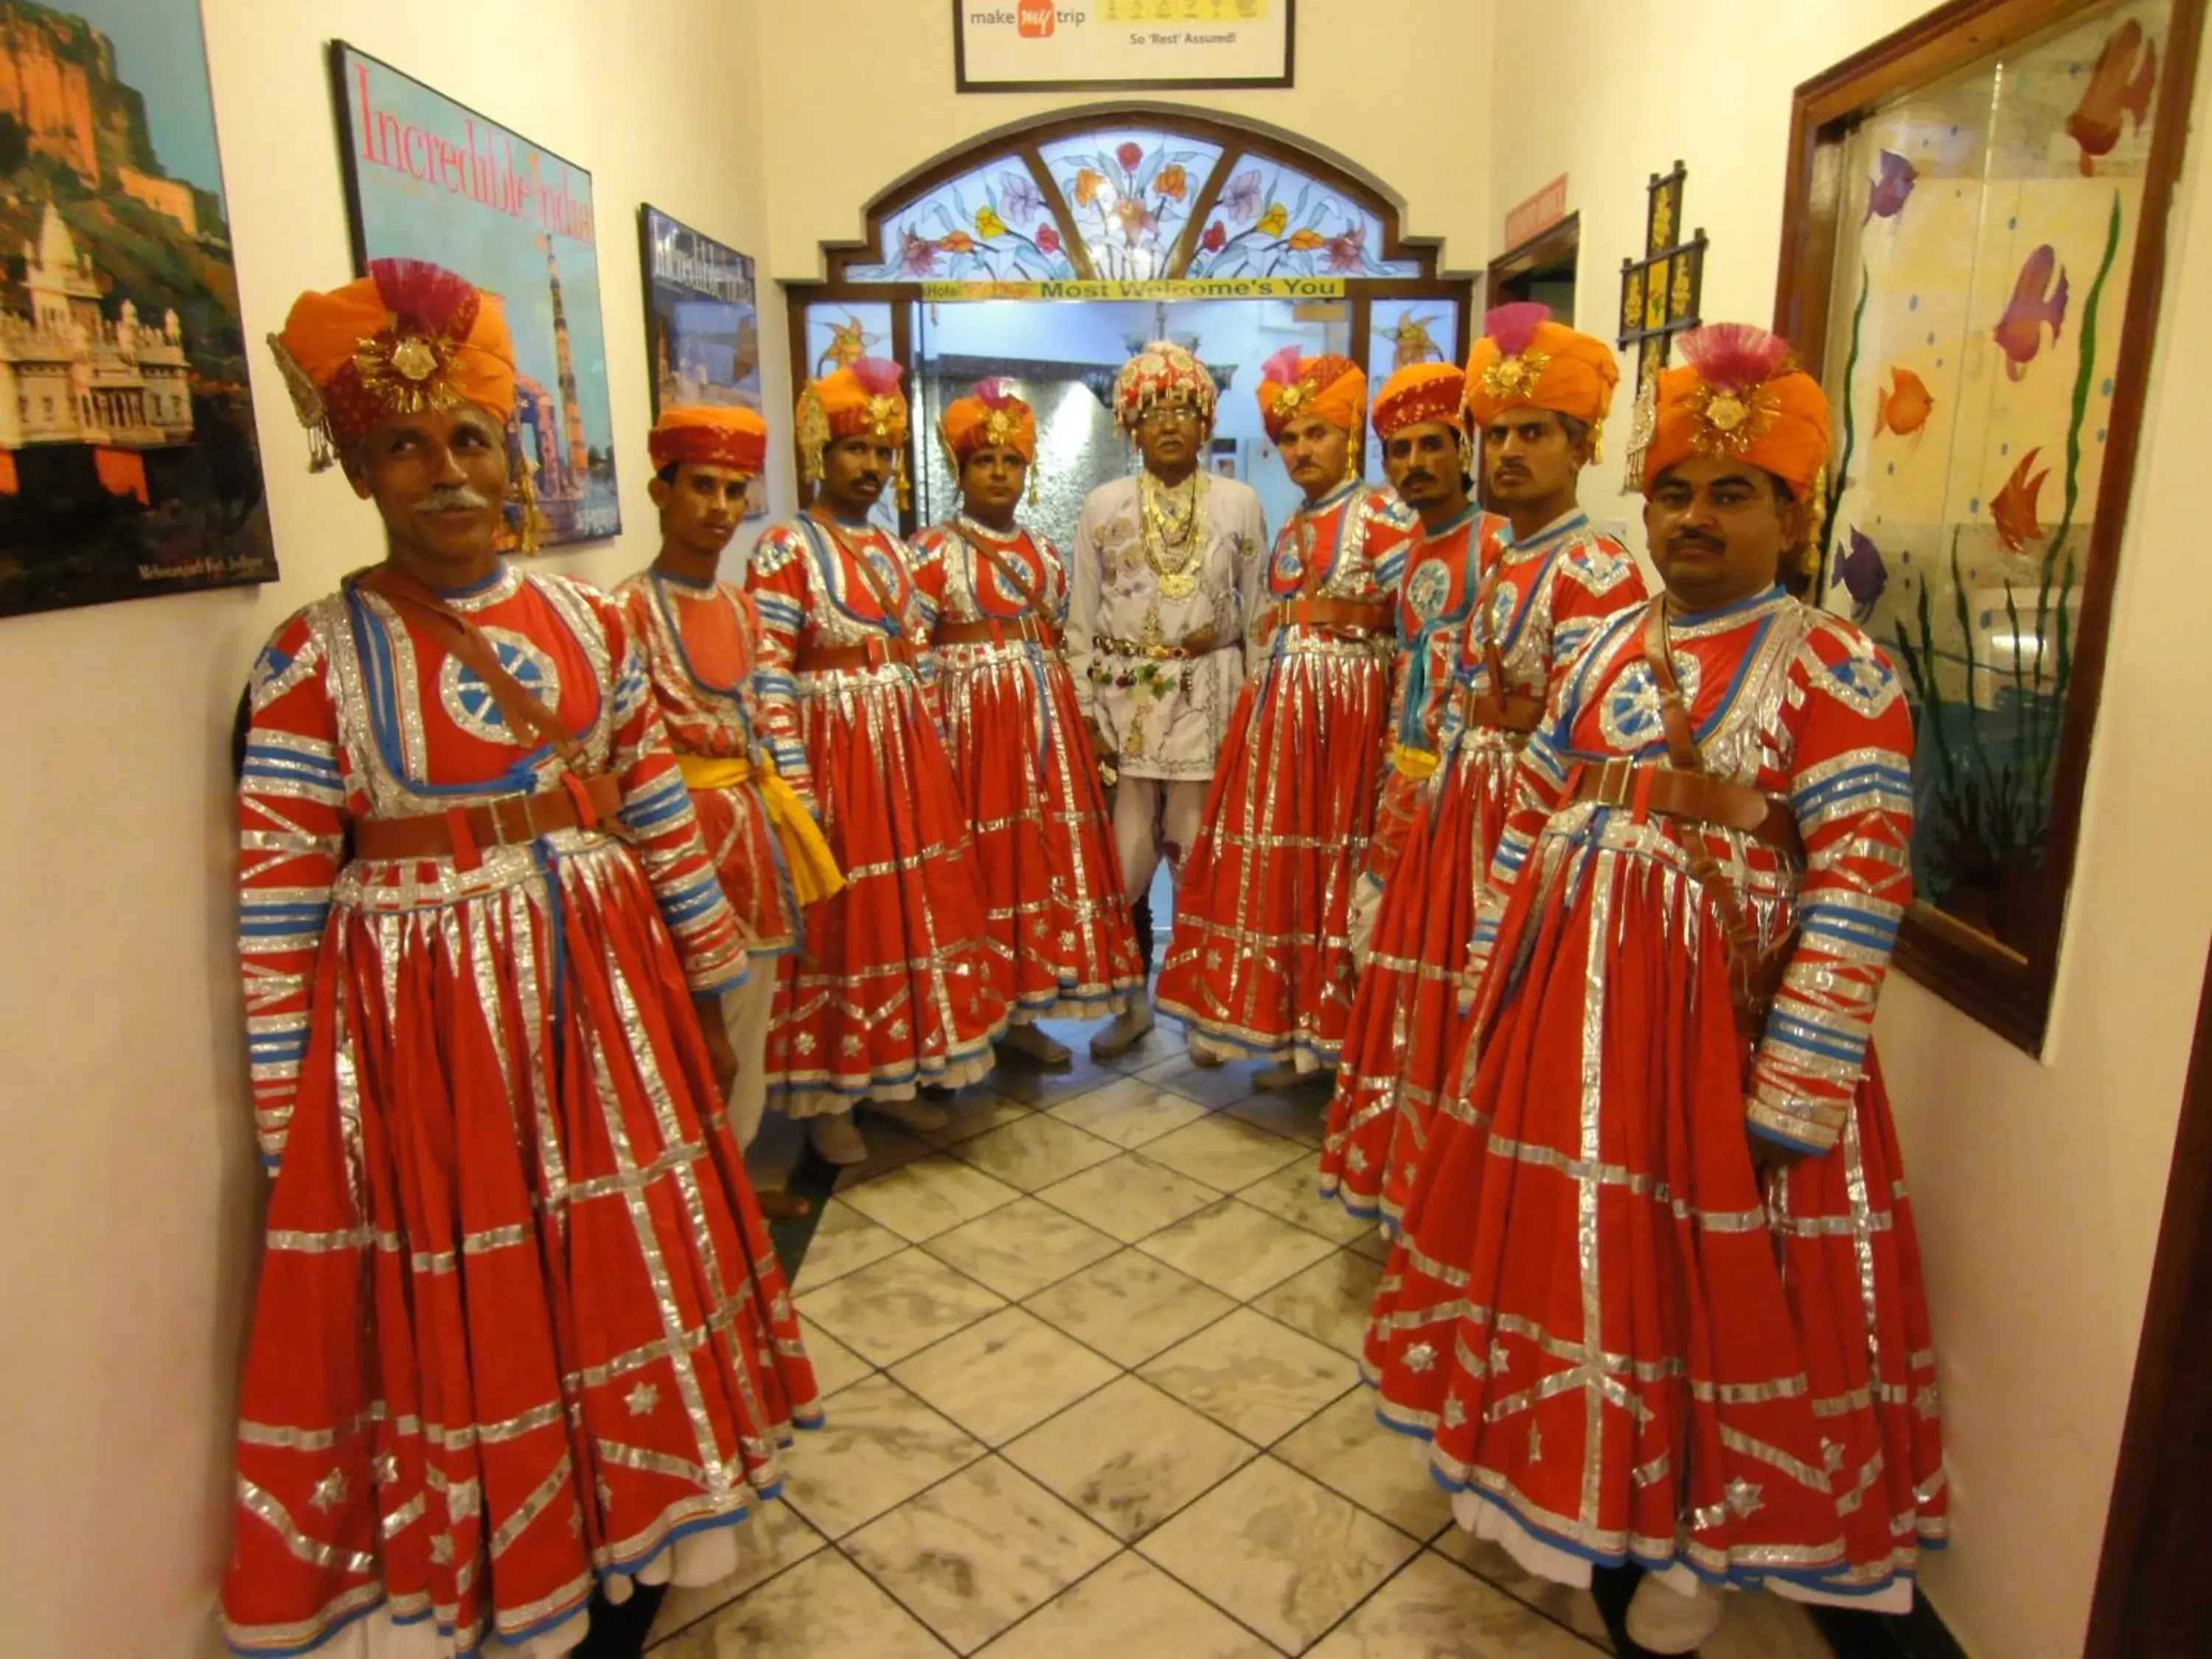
[2035,301]
[2011,509]
[2118,86]
[1905,405]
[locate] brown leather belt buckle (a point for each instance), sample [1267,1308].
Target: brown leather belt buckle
[1616,782]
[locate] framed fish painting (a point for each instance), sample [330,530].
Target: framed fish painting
[1973,247]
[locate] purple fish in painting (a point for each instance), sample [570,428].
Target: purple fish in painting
[1887,189]
[1862,574]
[2035,301]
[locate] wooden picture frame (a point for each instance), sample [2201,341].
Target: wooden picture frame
[1038,20]
[2000,628]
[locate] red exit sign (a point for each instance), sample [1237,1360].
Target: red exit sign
[1538,214]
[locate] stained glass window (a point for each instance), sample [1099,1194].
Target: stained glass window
[1271,219]
[989,225]
[1129,195]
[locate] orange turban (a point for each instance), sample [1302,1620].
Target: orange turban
[860,399]
[1737,396]
[1419,394]
[1525,360]
[992,418]
[1291,386]
[717,435]
[1162,372]
[409,336]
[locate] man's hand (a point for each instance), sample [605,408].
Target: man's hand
[720,1053]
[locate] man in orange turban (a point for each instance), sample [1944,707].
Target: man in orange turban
[1669,1082]
[1166,576]
[996,596]
[898,988]
[700,637]
[473,898]
[1261,963]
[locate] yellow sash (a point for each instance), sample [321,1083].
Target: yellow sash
[1414,765]
[814,872]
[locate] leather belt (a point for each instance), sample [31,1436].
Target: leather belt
[462,832]
[1200,643]
[1513,711]
[1652,786]
[993,631]
[872,652]
[1358,617]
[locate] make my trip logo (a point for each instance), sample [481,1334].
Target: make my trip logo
[1036,19]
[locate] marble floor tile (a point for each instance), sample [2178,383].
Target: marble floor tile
[1238,1250]
[1128,1197]
[1128,1457]
[1129,1113]
[1329,1301]
[1128,1609]
[1557,1603]
[1020,1079]
[976,1553]
[1374,1244]
[1757,1624]
[933,1196]
[1163,1043]
[1212,1086]
[1020,1249]
[1252,1376]
[1344,1449]
[1293,1194]
[774,1538]
[1129,1307]
[880,1448]
[1034,1153]
[1004,1375]
[1297,1113]
[1281,1552]
[1434,1610]
[823,1608]
[975,1111]
[889,1148]
[1224,1153]
[898,1306]
[844,1240]
[835,1365]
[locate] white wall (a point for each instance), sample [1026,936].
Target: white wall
[128,1234]
[2039,1185]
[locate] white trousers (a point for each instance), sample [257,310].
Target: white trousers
[1151,815]
[744,1013]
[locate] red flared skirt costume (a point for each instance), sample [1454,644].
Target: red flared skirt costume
[519,1327]
[1260,960]
[898,985]
[1444,808]
[1623,1341]
[1058,918]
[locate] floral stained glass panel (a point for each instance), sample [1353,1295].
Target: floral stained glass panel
[1401,332]
[1271,219]
[1985,258]
[837,332]
[989,225]
[1129,195]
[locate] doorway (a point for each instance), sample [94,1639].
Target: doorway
[1541,269]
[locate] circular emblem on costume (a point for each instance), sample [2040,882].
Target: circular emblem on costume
[1428,591]
[1288,565]
[1503,604]
[1628,715]
[1867,684]
[468,701]
[887,572]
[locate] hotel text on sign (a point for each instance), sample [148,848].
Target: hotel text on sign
[1538,214]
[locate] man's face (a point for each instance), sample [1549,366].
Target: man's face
[991,481]
[1313,451]
[1423,464]
[439,480]
[1528,457]
[1717,531]
[701,507]
[854,472]
[1169,436]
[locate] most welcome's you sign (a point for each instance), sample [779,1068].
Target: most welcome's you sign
[1057,46]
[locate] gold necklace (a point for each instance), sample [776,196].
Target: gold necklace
[1164,529]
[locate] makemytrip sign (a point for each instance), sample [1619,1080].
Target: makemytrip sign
[1238,288]
[1014,46]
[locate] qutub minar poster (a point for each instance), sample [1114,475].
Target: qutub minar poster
[128,462]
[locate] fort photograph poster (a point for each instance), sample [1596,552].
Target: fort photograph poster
[429,178]
[701,323]
[128,462]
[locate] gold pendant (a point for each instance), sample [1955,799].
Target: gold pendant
[1178,583]
[1133,740]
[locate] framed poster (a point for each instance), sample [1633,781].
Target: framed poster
[128,462]
[1071,46]
[1972,252]
[429,178]
[701,323]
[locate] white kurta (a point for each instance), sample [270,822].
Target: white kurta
[1169,722]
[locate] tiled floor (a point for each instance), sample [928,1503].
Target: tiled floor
[1088,1361]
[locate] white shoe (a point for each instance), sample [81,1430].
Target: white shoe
[836,1141]
[1663,1620]
[1123,1032]
[1029,1040]
[913,1114]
